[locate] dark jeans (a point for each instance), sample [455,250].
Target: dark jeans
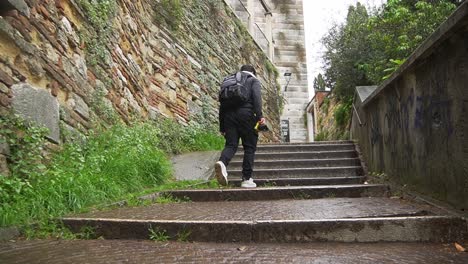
[240,123]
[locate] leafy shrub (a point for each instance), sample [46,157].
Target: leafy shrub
[342,114]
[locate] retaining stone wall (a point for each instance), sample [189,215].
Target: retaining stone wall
[141,70]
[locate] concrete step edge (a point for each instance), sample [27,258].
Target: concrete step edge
[285,153]
[282,193]
[301,169]
[301,160]
[373,229]
[321,181]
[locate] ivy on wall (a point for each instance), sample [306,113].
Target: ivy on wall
[168,13]
[100,14]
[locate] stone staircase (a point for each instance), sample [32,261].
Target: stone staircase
[307,193]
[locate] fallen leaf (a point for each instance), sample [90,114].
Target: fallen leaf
[241,248]
[460,248]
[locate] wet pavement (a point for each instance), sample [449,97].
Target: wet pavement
[137,251]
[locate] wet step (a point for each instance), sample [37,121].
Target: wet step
[339,219]
[301,172]
[141,251]
[302,147]
[302,181]
[336,142]
[299,163]
[299,155]
[282,192]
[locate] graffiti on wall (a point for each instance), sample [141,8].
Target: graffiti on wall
[433,112]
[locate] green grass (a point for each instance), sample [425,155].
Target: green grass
[158,235]
[112,165]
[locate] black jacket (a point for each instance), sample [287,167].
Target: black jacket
[254,102]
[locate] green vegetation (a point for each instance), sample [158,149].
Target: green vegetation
[169,13]
[102,107]
[342,114]
[100,14]
[321,136]
[108,166]
[369,47]
[319,83]
[271,69]
[325,105]
[165,198]
[157,234]
[183,235]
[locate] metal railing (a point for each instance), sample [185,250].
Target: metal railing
[357,115]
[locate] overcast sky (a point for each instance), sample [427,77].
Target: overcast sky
[319,17]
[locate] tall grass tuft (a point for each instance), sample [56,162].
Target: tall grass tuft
[108,166]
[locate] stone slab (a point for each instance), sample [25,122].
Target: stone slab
[303,147]
[439,229]
[195,165]
[279,193]
[38,106]
[301,181]
[298,163]
[8,233]
[299,155]
[142,252]
[255,211]
[301,172]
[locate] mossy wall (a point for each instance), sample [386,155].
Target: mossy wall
[119,61]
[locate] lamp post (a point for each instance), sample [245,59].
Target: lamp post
[285,137]
[287,76]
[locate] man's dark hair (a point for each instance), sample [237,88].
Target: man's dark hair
[248,68]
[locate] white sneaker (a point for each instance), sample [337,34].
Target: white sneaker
[221,173]
[248,183]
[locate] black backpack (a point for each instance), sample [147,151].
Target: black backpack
[234,92]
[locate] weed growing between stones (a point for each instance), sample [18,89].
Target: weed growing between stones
[157,234]
[87,232]
[166,198]
[104,168]
[100,14]
[183,235]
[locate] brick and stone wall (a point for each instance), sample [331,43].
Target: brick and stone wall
[59,67]
[415,124]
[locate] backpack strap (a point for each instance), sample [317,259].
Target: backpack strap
[239,76]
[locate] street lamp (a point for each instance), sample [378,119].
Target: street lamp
[287,76]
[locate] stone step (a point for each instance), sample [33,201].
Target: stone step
[299,155]
[303,181]
[336,142]
[145,251]
[338,219]
[299,163]
[301,172]
[302,147]
[282,192]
